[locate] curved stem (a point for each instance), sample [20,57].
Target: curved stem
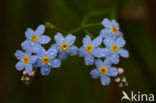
[75,30]
[94,24]
[49,25]
[82,26]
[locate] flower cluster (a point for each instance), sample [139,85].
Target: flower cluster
[108,46]
[102,52]
[35,56]
[121,79]
[27,77]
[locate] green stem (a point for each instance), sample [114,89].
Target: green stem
[49,25]
[95,24]
[75,30]
[82,26]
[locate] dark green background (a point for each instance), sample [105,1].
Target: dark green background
[72,83]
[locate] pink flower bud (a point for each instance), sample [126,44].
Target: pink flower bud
[24,72]
[31,74]
[27,78]
[22,78]
[124,79]
[117,80]
[120,71]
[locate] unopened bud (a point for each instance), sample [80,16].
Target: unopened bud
[27,78]
[24,72]
[124,79]
[117,80]
[120,71]
[31,74]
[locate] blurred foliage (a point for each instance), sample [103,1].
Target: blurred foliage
[72,83]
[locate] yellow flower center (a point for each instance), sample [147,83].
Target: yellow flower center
[45,60]
[64,46]
[103,70]
[34,38]
[26,59]
[114,30]
[89,48]
[115,48]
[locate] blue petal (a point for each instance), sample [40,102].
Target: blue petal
[108,42]
[33,59]
[55,63]
[28,53]
[114,23]
[82,52]
[36,47]
[105,80]
[26,45]
[38,63]
[45,70]
[96,52]
[29,33]
[20,66]
[70,39]
[56,47]
[44,39]
[124,53]
[104,52]
[89,59]
[104,33]
[95,73]
[19,54]
[63,55]
[98,63]
[120,34]
[107,62]
[97,41]
[59,38]
[106,23]
[114,58]
[120,42]
[40,30]
[72,50]
[86,40]
[101,52]
[112,72]
[41,53]
[52,53]
[28,68]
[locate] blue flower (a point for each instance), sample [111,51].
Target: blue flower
[46,60]
[115,48]
[65,45]
[111,29]
[26,61]
[104,70]
[90,49]
[35,39]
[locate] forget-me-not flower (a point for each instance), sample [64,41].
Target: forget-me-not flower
[35,39]
[115,47]
[65,45]
[111,29]
[46,60]
[104,70]
[90,49]
[26,61]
